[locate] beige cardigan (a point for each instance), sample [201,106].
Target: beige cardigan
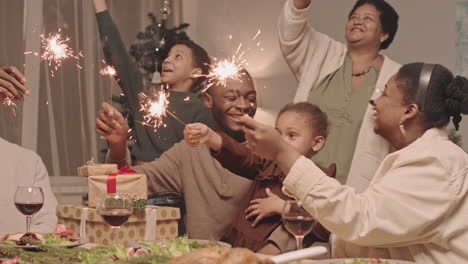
[415,208]
[311,56]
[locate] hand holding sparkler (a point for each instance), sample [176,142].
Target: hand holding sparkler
[12,84]
[111,125]
[198,133]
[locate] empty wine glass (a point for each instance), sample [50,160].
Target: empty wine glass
[297,220]
[29,200]
[115,209]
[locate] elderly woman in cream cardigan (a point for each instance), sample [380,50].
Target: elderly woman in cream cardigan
[340,78]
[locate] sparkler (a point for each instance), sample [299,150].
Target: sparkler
[224,70]
[108,70]
[156,109]
[55,50]
[9,102]
[229,69]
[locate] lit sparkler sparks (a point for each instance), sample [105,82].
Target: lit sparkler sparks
[156,109]
[229,69]
[9,102]
[55,50]
[256,35]
[224,70]
[108,70]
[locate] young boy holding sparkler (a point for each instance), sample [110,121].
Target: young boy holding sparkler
[305,127]
[182,72]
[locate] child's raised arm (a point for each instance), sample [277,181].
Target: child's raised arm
[198,133]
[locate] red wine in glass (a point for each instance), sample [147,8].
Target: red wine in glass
[116,217]
[115,209]
[28,209]
[29,200]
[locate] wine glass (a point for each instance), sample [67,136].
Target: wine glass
[297,220]
[115,209]
[29,200]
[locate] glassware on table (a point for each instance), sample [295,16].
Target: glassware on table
[29,200]
[115,209]
[297,220]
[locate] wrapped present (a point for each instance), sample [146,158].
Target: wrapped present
[124,181]
[92,169]
[162,224]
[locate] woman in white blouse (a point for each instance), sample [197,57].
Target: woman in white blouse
[416,206]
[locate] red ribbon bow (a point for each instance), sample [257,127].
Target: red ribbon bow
[112,178]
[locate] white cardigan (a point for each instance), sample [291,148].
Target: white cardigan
[415,208]
[311,56]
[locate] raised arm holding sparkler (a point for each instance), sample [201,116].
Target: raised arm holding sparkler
[158,124]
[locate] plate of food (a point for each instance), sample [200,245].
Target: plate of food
[61,237]
[362,261]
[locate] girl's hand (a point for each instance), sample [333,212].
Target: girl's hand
[264,207]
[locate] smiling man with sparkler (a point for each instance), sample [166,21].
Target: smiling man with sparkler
[212,194]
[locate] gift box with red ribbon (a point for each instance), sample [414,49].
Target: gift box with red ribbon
[91,169]
[126,181]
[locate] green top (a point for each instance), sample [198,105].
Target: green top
[149,144]
[345,109]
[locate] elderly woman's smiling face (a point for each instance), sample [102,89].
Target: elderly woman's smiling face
[364,27]
[388,109]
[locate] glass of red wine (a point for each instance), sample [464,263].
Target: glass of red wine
[29,200]
[115,209]
[297,220]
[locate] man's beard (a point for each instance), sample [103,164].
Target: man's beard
[237,135]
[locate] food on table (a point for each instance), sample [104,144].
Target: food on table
[176,247]
[158,252]
[31,239]
[64,232]
[136,252]
[14,260]
[61,235]
[24,239]
[163,252]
